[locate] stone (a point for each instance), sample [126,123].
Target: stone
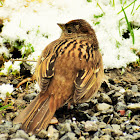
[69,136]
[91,126]
[105,98]
[116,129]
[102,125]
[83,106]
[136,136]
[4,136]
[134,88]
[120,106]
[64,128]
[29,97]
[134,107]
[33,137]
[135,128]
[105,137]
[102,107]
[21,134]
[81,138]
[42,134]
[95,138]
[53,134]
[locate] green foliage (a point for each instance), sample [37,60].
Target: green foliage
[118,57]
[97,17]
[118,44]
[123,71]
[28,48]
[89,0]
[4,107]
[138,62]
[127,6]
[129,26]
[1,3]
[96,23]
[112,2]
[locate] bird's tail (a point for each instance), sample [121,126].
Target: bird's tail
[38,114]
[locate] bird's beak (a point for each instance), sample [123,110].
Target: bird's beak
[62,26]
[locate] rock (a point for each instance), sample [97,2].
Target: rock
[131,97]
[69,136]
[103,107]
[117,94]
[105,98]
[135,128]
[18,139]
[129,137]
[110,92]
[115,126]
[136,136]
[129,78]
[107,131]
[53,134]
[99,133]
[14,128]
[134,88]
[33,137]
[83,106]
[128,127]
[134,107]
[105,137]
[64,128]
[76,129]
[116,129]
[122,126]
[4,136]
[29,97]
[95,138]
[5,127]
[42,134]
[102,125]
[120,106]
[86,134]
[21,134]
[94,118]
[81,138]
[91,126]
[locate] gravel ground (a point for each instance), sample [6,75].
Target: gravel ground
[113,115]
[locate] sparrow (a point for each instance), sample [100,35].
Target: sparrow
[69,70]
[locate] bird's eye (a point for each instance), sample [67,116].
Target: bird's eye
[69,31]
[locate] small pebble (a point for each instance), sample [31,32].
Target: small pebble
[102,107]
[134,88]
[134,107]
[91,126]
[21,134]
[69,136]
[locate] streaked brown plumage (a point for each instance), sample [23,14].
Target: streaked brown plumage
[69,70]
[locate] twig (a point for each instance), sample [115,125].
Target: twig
[23,60]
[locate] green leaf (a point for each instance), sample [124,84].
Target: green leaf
[97,23]
[98,16]
[89,0]
[129,26]
[118,44]
[4,107]
[127,6]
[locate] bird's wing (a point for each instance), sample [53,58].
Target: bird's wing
[84,81]
[45,67]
